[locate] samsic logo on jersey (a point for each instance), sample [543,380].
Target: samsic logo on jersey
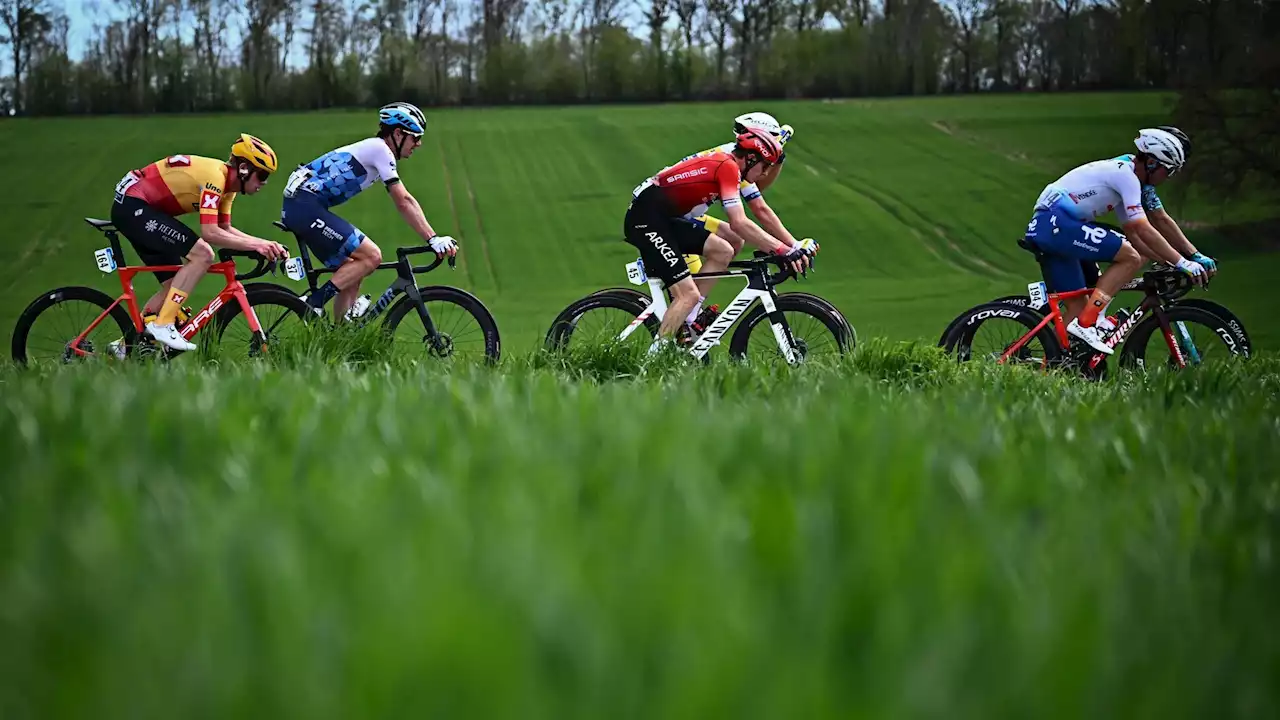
[687,174]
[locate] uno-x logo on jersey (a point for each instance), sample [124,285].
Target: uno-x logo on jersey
[209,200]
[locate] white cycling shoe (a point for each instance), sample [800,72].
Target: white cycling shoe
[169,336]
[1089,335]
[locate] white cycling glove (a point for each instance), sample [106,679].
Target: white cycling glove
[444,245]
[1192,268]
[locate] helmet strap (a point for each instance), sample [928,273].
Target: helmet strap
[400,144]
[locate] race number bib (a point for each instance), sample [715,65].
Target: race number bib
[296,178]
[126,182]
[635,193]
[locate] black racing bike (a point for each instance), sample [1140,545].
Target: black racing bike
[445,321]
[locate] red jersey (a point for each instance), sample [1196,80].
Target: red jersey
[180,184]
[700,181]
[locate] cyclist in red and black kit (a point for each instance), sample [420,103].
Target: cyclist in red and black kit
[653,223]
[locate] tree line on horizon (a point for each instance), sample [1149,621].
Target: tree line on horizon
[1220,56]
[197,55]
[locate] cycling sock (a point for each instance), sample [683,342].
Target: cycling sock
[323,295]
[169,311]
[693,314]
[1098,301]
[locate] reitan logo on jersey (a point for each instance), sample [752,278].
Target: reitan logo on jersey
[209,200]
[687,174]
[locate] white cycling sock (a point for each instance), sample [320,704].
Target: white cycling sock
[697,308]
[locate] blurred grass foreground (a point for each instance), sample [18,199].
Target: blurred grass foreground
[891,536]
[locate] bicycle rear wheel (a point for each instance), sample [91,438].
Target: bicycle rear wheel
[599,320]
[812,330]
[50,324]
[465,329]
[998,326]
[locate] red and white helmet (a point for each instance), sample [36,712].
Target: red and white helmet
[762,143]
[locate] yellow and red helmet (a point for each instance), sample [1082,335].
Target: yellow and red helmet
[259,154]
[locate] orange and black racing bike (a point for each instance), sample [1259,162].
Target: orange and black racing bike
[77,323]
[1164,328]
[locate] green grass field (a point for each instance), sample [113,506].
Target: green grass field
[336,532]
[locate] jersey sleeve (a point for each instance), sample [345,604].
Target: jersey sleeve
[728,178]
[224,209]
[1151,201]
[1126,184]
[385,163]
[210,204]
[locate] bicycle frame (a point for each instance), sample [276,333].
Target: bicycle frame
[406,281]
[233,289]
[1150,303]
[728,316]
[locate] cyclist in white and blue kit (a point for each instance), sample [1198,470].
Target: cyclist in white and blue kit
[1065,226]
[341,174]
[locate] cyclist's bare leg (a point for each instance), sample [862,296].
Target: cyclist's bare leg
[735,241]
[199,258]
[153,303]
[716,254]
[684,295]
[359,265]
[1123,268]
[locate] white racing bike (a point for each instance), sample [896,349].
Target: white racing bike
[801,325]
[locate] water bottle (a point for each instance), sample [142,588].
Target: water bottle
[357,309]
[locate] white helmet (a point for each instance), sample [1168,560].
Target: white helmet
[1163,146]
[763,121]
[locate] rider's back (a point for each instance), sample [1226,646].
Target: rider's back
[342,173]
[176,184]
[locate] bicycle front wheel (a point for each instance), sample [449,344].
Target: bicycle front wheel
[48,328]
[280,314]
[807,327]
[1194,337]
[464,327]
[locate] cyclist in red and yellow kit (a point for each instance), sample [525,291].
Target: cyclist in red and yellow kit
[652,222]
[148,202]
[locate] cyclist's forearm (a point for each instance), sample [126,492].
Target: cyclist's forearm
[1157,244]
[762,239]
[412,213]
[1143,249]
[772,225]
[215,235]
[238,233]
[1169,229]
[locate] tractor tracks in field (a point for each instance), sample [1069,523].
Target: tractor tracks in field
[475,208]
[944,248]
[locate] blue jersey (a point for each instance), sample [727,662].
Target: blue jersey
[341,174]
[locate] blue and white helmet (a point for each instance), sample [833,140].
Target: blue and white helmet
[403,115]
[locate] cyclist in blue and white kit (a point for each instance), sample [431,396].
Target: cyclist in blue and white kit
[1065,226]
[341,174]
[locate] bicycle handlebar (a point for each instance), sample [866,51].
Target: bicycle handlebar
[262,268]
[419,249]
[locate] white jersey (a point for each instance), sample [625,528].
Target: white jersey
[1095,189]
[341,174]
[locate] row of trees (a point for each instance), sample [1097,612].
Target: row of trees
[193,55]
